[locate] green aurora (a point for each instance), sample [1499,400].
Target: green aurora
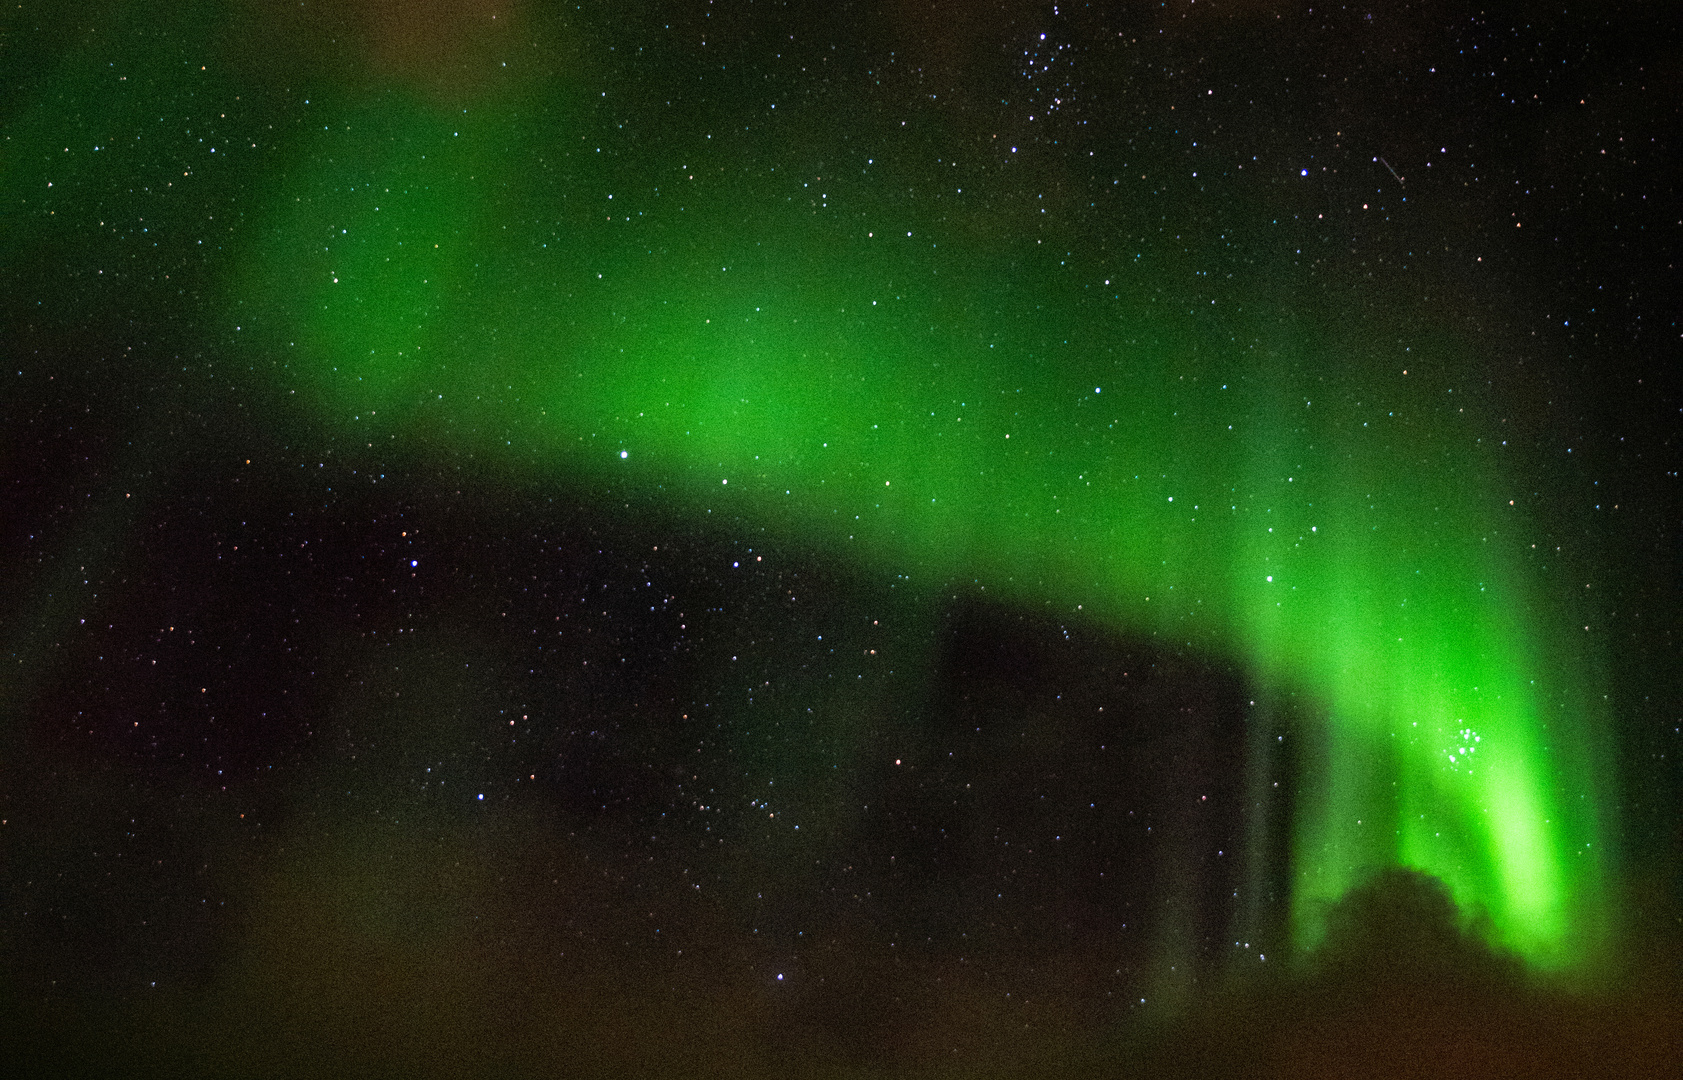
[956,388]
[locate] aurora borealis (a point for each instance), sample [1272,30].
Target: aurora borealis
[911,435]
[688,427]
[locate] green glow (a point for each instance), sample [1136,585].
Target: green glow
[872,394]
[945,399]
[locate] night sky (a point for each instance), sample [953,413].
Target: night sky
[868,539]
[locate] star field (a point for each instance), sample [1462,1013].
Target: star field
[699,537]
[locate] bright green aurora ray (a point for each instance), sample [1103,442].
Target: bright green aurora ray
[942,398]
